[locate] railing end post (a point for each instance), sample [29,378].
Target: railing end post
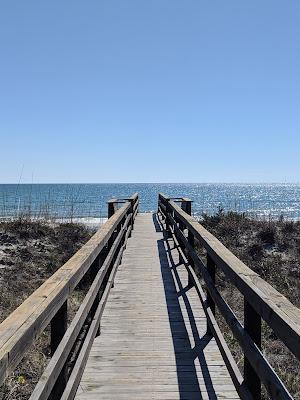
[186,205]
[111,207]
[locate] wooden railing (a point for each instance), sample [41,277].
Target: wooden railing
[99,258]
[261,301]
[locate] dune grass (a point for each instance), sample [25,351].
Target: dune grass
[30,252]
[272,249]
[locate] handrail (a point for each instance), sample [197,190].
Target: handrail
[261,301]
[99,257]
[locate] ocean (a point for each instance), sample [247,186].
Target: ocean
[89,200]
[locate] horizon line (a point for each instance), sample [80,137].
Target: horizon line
[156,183]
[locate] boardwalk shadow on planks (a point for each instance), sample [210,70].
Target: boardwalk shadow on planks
[185,354]
[157,224]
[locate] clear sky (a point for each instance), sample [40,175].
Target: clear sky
[150,91]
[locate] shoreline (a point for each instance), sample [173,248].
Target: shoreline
[91,222]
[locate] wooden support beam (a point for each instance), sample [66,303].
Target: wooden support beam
[111,207]
[252,325]
[211,269]
[59,325]
[186,205]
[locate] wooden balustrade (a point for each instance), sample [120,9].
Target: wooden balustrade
[99,257]
[261,301]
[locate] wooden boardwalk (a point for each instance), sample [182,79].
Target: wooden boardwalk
[153,343]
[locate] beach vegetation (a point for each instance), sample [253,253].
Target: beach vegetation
[272,249]
[30,252]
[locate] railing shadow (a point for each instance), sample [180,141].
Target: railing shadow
[186,356]
[157,224]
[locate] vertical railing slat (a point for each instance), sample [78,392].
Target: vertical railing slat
[211,268]
[252,324]
[59,325]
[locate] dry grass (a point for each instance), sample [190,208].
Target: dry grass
[272,249]
[30,252]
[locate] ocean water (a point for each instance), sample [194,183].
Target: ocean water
[89,200]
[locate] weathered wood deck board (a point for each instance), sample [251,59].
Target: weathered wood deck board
[152,343]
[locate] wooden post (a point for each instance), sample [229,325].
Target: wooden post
[186,205]
[168,228]
[132,220]
[95,268]
[191,240]
[211,269]
[180,224]
[111,207]
[59,325]
[252,324]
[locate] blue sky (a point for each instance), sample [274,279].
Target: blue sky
[150,91]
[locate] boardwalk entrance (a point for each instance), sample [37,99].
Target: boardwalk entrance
[153,343]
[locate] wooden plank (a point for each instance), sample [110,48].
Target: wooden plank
[152,342]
